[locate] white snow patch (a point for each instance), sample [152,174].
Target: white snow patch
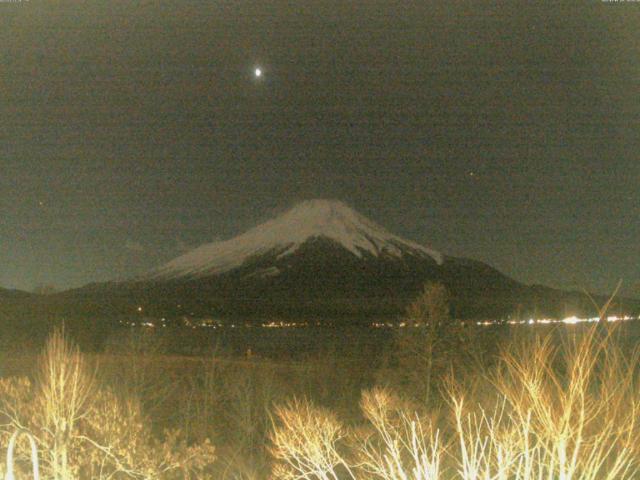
[265,272]
[284,234]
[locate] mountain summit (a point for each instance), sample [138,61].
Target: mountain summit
[311,220]
[319,259]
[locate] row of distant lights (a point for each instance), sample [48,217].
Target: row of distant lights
[531,321]
[214,326]
[208,324]
[285,324]
[573,320]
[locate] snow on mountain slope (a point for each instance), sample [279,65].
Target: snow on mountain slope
[283,235]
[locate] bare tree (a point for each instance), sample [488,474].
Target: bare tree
[427,348]
[66,386]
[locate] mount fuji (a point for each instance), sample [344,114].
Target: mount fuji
[318,259]
[308,222]
[321,258]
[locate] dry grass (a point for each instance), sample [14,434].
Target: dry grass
[555,406]
[84,430]
[563,412]
[308,441]
[400,443]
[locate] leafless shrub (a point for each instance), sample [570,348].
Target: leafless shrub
[563,412]
[308,442]
[401,444]
[83,431]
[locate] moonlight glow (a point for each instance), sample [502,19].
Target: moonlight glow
[258,72]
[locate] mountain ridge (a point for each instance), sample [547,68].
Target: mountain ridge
[319,259]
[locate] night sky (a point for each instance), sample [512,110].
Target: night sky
[502,131]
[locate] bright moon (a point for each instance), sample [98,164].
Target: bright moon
[258,72]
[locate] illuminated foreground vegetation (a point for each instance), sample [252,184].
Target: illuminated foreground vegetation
[545,413]
[559,405]
[84,431]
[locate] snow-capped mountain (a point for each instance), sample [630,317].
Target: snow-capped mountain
[319,257]
[322,260]
[282,236]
